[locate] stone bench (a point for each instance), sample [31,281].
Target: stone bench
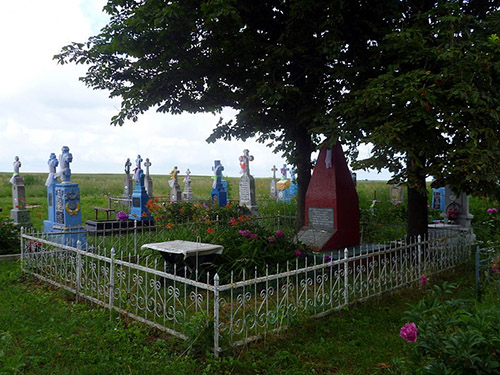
[107,210]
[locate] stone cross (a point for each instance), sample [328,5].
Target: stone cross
[137,167]
[174,173]
[187,179]
[138,162]
[52,163]
[147,164]
[128,164]
[245,160]
[64,159]
[274,169]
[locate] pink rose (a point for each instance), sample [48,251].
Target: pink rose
[409,332]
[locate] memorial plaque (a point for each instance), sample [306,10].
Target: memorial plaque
[321,218]
[60,217]
[244,193]
[136,202]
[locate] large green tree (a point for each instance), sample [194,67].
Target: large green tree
[433,107]
[280,64]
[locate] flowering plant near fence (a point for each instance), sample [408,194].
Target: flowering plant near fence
[9,237]
[449,336]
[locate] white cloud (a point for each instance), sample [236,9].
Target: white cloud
[43,106]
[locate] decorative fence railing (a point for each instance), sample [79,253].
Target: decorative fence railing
[242,310]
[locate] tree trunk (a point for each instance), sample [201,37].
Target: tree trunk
[417,198]
[304,148]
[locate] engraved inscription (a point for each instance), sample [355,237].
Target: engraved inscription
[320,217]
[244,192]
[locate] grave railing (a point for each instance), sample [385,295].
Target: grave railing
[239,311]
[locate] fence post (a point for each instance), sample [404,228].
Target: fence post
[419,249]
[22,248]
[135,237]
[112,279]
[478,259]
[346,277]
[78,268]
[216,316]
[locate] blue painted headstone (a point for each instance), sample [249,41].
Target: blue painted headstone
[438,199]
[219,193]
[140,198]
[292,190]
[65,215]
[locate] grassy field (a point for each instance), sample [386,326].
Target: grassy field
[94,190]
[44,331]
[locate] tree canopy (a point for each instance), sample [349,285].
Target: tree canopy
[433,107]
[280,64]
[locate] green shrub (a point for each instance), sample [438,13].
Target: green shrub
[454,337]
[9,237]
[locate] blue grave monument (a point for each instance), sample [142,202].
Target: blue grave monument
[140,198]
[293,183]
[284,186]
[219,193]
[438,199]
[63,199]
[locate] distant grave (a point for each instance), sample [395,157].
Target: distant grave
[273,188]
[128,183]
[332,205]
[63,199]
[247,184]
[218,196]
[140,198]
[19,214]
[175,189]
[396,193]
[187,195]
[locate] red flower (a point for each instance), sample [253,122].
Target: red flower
[210,230]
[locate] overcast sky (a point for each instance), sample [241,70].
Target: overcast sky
[44,106]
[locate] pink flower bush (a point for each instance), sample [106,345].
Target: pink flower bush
[409,332]
[279,233]
[245,233]
[423,281]
[397,203]
[492,210]
[298,253]
[271,239]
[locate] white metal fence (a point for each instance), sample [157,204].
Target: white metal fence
[244,310]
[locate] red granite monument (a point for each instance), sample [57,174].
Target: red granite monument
[332,205]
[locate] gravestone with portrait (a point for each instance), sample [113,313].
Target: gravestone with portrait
[140,198]
[63,199]
[332,205]
[218,196]
[19,214]
[148,180]
[247,184]
[187,194]
[128,183]
[396,193]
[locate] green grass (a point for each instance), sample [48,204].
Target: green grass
[45,331]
